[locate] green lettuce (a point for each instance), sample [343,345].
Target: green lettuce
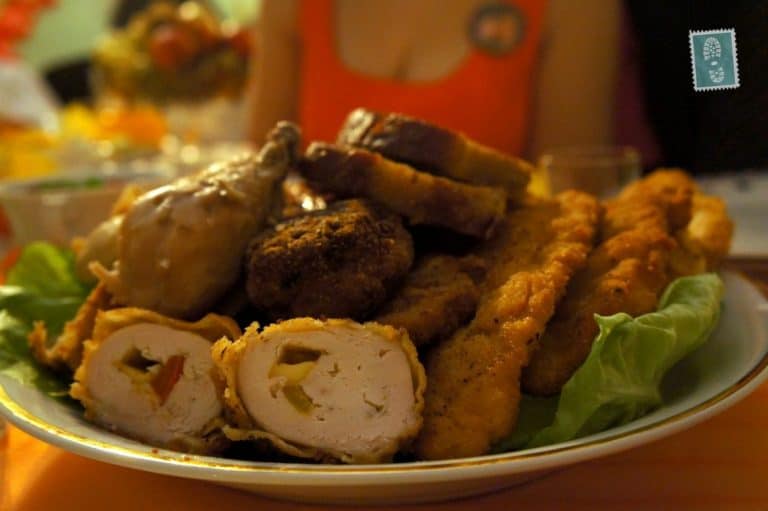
[621,378]
[41,286]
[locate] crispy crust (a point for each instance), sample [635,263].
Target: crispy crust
[339,262]
[421,197]
[474,388]
[435,149]
[66,353]
[438,296]
[626,273]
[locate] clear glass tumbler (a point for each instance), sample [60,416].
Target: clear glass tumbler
[599,170]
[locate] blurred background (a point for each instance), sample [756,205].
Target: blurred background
[160,88]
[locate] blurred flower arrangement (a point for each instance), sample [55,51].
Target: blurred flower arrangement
[174,53]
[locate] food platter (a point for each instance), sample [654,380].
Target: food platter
[726,369]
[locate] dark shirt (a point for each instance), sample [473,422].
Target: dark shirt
[706,131]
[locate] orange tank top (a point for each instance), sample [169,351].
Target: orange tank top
[488,97]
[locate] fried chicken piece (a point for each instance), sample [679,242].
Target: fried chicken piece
[67,351]
[706,240]
[181,246]
[339,262]
[438,296]
[420,197]
[473,393]
[671,189]
[435,149]
[626,273]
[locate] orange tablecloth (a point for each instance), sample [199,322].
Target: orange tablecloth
[720,464]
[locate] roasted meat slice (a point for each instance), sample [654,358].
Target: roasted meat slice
[422,198]
[332,390]
[340,262]
[150,377]
[181,246]
[435,149]
[438,296]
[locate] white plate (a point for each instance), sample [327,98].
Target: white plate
[732,364]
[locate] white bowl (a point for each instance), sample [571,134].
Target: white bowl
[58,208]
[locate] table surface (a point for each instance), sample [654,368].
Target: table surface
[721,463]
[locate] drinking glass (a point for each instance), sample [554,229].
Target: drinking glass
[599,170]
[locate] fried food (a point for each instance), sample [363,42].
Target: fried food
[181,246]
[626,273]
[150,377]
[422,198]
[66,352]
[331,390]
[434,149]
[473,394]
[339,262]
[706,240]
[438,296]
[672,190]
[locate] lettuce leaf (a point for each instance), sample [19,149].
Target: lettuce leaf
[620,379]
[41,286]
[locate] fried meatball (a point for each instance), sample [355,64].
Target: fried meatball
[339,262]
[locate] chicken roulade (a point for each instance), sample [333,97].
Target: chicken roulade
[331,390]
[150,378]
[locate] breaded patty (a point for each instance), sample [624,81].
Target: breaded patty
[340,262]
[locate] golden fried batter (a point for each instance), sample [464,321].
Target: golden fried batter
[67,352]
[418,196]
[706,240]
[438,296]
[626,273]
[473,392]
[671,189]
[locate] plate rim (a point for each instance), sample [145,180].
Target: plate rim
[225,470]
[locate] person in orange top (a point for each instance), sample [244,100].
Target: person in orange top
[517,75]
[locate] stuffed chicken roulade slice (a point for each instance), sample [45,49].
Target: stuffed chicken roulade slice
[151,378]
[330,390]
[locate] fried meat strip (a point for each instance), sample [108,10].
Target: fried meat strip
[421,197]
[626,273]
[671,189]
[434,149]
[706,240]
[438,296]
[473,392]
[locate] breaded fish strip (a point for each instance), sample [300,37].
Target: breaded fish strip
[626,273]
[438,296]
[473,392]
[435,149]
[421,197]
[67,351]
[706,240]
